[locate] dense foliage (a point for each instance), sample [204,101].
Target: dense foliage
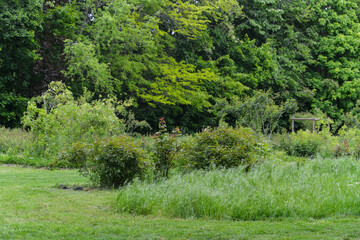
[59,120]
[108,162]
[222,148]
[177,59]
[113,162]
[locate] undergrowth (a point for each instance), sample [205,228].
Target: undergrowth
[318,188]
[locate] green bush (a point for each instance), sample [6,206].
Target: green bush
[165,147]
[74,157]
[56,120]
[109,162]
[301,143]
[221,148]
[355,148]
[341,149]
[352,138]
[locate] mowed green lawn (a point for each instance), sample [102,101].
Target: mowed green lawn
[33,207]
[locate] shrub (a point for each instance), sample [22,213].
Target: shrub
[355,150]
[341,149]
[165,146]
[56,120]
[259,112]
[301,143]
[74,157]
[221,148]
[351,137]
[109,162]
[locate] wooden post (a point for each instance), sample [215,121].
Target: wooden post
[293,124]
[313,124]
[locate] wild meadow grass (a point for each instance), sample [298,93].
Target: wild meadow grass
[317,188]
[13,140]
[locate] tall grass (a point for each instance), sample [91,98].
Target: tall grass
[317,188]
[18,146]
[13,141]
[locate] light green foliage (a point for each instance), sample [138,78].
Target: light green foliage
[349,141]
[191,19]
[61,120]
[187,18]
[349,133]
[221,148]
[179,83]
[301,143]
[123,53]
[82,59]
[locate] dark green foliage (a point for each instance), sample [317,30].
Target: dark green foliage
[178,58]
[11,109]
[109,162]
[222,148]
[19,21]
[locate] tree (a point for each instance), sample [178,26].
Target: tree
[19,22]
[260,112]
[122,51]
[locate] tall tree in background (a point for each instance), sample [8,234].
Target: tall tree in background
[178,58]
[336,68]
[19,22]
[123,50]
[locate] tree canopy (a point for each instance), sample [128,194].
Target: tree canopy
[179,58]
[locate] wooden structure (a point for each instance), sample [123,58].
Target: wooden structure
[305,119]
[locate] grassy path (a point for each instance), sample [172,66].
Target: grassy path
[32,207]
